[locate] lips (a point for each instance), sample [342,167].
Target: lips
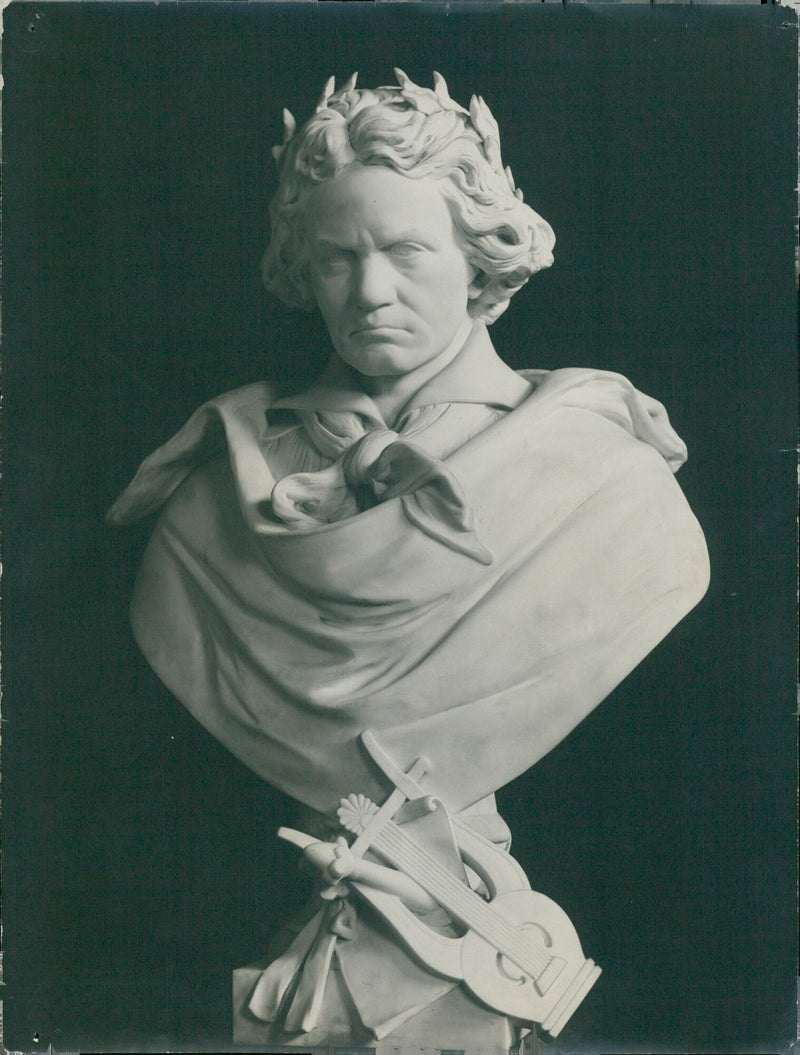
[383,330]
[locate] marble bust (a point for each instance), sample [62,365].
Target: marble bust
[392,593]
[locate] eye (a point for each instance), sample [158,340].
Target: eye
[330,259]
[405,250]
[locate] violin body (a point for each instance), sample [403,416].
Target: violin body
[496,980]
[520,954]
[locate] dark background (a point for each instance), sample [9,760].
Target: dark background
[141,865]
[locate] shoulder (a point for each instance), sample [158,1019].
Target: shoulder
[238,417]
[612,397]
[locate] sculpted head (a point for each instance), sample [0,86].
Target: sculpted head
[425,138]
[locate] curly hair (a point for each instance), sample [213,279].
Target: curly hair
[419,133]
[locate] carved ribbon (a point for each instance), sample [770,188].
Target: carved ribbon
[293,986]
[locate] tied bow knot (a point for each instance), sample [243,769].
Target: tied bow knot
[375,466]
[342,922]
[337,492]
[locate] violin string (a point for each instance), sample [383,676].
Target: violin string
[404,853]
[486,921]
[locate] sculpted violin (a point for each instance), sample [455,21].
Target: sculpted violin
[520,953]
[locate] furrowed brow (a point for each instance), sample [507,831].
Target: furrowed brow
[423,237]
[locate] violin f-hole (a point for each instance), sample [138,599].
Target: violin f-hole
[509,970]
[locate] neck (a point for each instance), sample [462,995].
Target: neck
[391,393]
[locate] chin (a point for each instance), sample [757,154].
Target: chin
[378,361]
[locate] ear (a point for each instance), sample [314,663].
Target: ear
[478,283]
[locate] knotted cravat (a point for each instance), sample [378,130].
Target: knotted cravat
[375,464]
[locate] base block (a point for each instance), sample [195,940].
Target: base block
[453,1024]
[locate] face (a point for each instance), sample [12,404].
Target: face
[386,268]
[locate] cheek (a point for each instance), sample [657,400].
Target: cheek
[327,295]
[449,286]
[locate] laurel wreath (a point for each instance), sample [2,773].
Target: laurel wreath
[426,101]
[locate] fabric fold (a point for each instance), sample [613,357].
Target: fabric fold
[286,643]
[276,981]
[234,421]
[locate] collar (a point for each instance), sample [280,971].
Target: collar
[476,375]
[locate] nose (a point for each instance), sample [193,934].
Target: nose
[373,282]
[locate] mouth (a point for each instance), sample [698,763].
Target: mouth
[376,332]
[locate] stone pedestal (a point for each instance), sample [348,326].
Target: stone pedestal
[454,1024]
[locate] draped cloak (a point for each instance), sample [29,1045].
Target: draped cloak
[475,619]
[474,615]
